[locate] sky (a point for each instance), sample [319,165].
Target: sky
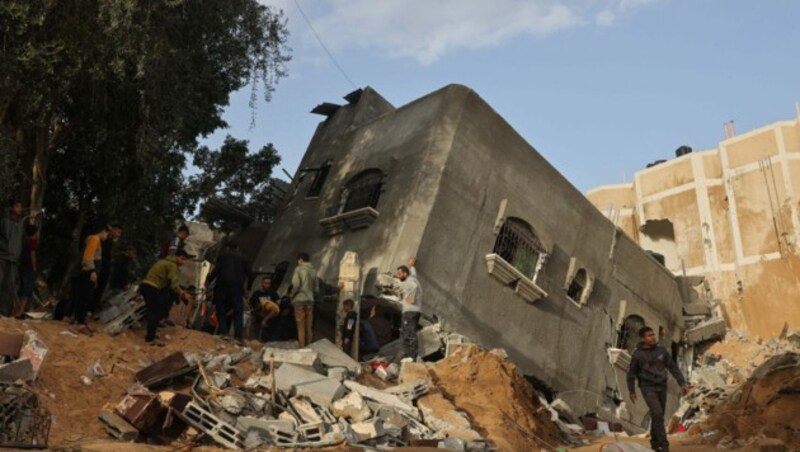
[599,87]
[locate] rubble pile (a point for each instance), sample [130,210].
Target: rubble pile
[744,392]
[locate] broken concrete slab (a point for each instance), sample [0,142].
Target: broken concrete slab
[283,433]
[247,424]
[411,391]
[441,415]
[705,331]
[312,432]
[338,373]
[333,356]
[411,371]
[21,369]
[364,431]
[118,427]
[351,406]
[383,398]
[110,313]
[301,357]
[429,340]
[35,350]
[204,421]
[319,388]
[135,313]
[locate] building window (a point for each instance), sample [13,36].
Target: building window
[363,190]
[578,286]
[518,245]
[628,336]
[321,174]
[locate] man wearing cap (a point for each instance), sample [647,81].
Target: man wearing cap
[162,275]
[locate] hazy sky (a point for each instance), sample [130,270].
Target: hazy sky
[600,88]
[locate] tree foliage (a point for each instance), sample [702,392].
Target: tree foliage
[102,101]
[234,175]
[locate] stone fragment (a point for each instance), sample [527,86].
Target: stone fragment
[382,397]
[319,388]
[333,356]
[364,431]
[409,392]
[301,357]
[338,373]
[21,369]
[117,427]
[35,350]
[352,407]
[429,341]
[710,329]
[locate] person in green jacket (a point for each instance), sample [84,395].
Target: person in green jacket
[304,287]
[163,274]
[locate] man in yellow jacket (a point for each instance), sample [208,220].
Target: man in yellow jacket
[163,274]
[86,281]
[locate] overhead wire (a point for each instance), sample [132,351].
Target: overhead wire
[322,44]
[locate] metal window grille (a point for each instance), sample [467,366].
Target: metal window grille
[364,190]
[23,423]
[518,246]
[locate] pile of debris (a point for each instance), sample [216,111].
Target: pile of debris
[320,396]
[748,396]
[23,422]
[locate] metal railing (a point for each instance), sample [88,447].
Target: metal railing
[518,246]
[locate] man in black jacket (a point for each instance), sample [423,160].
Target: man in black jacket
[231,274]
[649,364]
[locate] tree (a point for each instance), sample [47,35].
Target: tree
[167,66]
[234,175]
[105,100]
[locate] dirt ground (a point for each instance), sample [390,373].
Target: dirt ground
[74,405]
[676,444]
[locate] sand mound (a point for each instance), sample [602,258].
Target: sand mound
[500,402]
[767,405]
[74,405]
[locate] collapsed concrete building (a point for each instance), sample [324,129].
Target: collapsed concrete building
[509,253]
[729,214]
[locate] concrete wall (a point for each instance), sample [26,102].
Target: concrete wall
[451,161]
[734,212]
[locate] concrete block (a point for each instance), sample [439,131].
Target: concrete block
[305,410]
[333,356]
[320,389]
[338,373]
[429,340]
[118,427]
[127,319]
[364,431]
[302,357]
[383,398]
[282,432]
[311,432]
[249,423]
[21,369]
[411,391]
[697,308]
[351,406]
[233,402]
[204,421]
[708,330]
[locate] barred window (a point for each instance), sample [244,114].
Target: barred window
[363,190]
[518,245]
[578,285]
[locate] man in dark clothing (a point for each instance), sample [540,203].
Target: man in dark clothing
[28,267]
[162,276]
[176,243]
[283,327]
[122,269]
[263,308]
[349,325]
[104,274]
[649,364]
[231,274]
[11,235]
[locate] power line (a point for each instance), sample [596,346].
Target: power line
[322,44]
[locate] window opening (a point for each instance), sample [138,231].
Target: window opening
[629,333]
[518,245]
[363,190]
[577,286]
[319,179]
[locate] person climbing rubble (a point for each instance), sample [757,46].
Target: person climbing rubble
[649,365]
[162,275]
[411,299]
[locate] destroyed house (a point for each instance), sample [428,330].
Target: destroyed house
[509,253]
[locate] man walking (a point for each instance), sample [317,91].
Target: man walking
[86,281]
[104,272]
[649,364]
[231,274]
[10,251]
[411,299]
[162,275]
[304,287]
